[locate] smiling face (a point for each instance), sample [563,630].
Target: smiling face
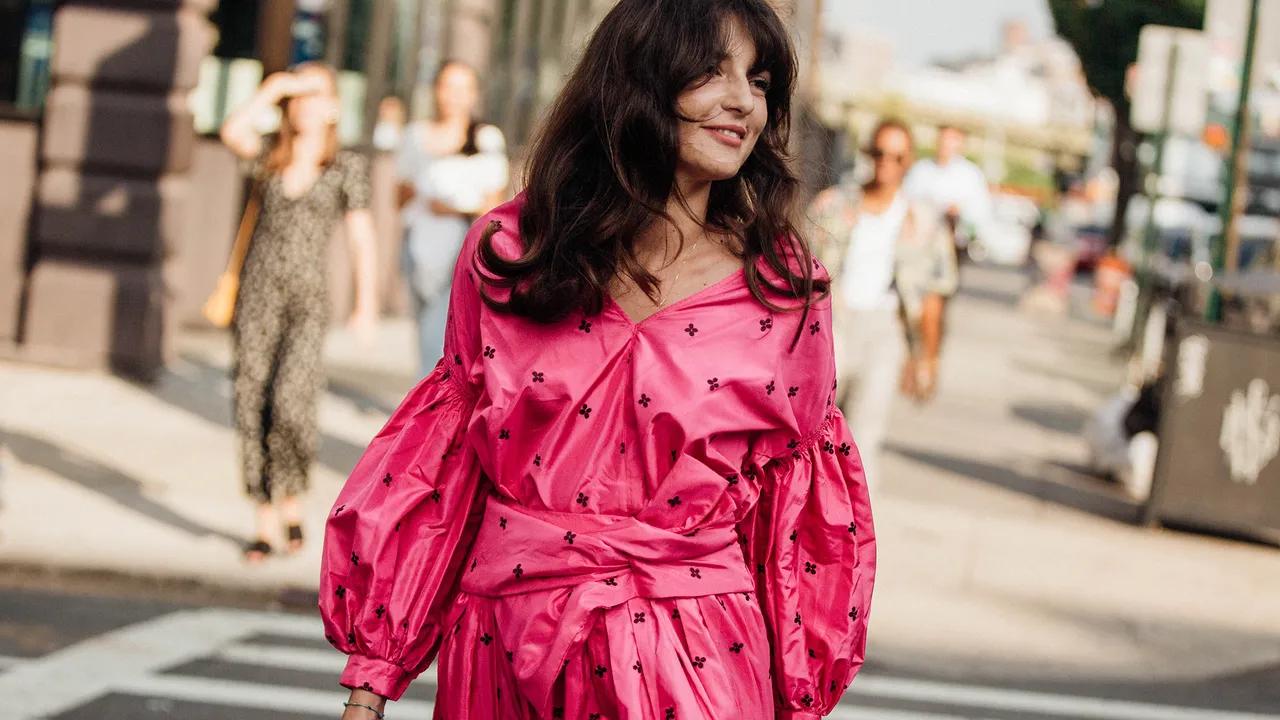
[457,91]
[722,114]
[315,106]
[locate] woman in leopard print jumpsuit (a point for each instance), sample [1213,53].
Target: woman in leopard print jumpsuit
[306,185]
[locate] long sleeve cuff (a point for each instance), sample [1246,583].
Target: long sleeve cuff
[377,676]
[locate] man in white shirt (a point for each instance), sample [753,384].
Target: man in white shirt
[891,263]
[954,185]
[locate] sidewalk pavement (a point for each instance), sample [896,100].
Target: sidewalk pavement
[999,556]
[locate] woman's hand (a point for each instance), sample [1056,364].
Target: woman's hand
[364,697]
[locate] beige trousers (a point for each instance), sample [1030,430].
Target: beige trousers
[870,349]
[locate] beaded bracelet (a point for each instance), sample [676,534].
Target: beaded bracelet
[379,715]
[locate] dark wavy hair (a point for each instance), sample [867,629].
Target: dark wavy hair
[603,165]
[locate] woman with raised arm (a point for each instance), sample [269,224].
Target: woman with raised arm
[305,185]
[624,491]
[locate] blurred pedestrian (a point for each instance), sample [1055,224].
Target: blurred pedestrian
[955,186]
[452,169]
[893,264]
[624,491]
[389,128]
[304,185]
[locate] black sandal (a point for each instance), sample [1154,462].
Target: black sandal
[257,547]
[294,532]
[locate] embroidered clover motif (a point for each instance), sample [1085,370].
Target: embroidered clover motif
[770,388]
[537,461]
[569,536]
[518,571]
[489,352]
[601,670]
[380,611]
[539,377]
[637,667]
[645,400]
[714,383]
[435,495]
[853,528]
[386,480]
[736,648]
[674,501]
[699,661]
[611,582]
[853,614]
[340,591]
[797,620]
[813,329]
[695,573]
[582,499]
[731,478]
[766,324]
[355,559]
[845,449]
[504,434]
[585,411]
[793,391]
[486,638]
[691,330]
[637,617]
[811,568]
[585,326]
[502,523]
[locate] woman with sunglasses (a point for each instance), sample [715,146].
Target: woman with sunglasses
[892,264]
[624,491]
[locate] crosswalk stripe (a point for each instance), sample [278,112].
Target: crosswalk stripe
[331,662]
[256,695]
[1035,702]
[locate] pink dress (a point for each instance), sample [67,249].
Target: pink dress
[605,519]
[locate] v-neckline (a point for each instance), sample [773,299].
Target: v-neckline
[739,272]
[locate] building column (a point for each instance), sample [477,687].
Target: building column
[116,145]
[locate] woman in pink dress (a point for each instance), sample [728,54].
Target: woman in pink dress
[624,491]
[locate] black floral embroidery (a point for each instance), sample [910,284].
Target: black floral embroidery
[670,714]
[504,434]
[380,611]
[766,324]
[637,667]
[457,359]
[845,449]
[582,499]
[807,699]
[829,447]
[793,391]
[611,582]
[760,568]
[485,639]
[332,641]
[813,654]
[386,480]
[340,591]
[811,568]
[645,400]
[674,501]
[489,352]
[351,638]
[585,326]
[355,559]
[736,648]
[569,536]
[794,535]
[593,716]
[695,573]
[674,454]
[731,478]
[339,509]
[601,670]
[435,495]
[557,712]
[793,443]
[853,614]
[699,661]
[637,617]
[768,389]
[537,461]
[622,448]
[585,411]
[813,329]
[518,571]
[853,528]
[502,523]
[714,383]
[798,622]
[539,377]
[511,656]
[675,614]
[691,330]
[366,687]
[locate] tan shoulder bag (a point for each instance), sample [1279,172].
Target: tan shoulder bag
[221,305]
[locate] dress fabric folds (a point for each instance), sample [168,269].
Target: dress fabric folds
[603,519]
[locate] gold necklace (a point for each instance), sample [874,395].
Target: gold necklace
[684,258]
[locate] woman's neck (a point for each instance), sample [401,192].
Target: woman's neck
[308,147]
[688,218]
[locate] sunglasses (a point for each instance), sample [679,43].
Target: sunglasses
[877,154]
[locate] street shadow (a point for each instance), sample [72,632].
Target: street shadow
[1057,418]
[1094,385]
[989,295]
[1058,483]
[123,490]
[203,390]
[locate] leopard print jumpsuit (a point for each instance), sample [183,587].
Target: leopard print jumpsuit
[281,314]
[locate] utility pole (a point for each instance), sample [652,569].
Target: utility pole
[1226,249]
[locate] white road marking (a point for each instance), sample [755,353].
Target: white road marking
[1034,702]
[244,694]
[288,658]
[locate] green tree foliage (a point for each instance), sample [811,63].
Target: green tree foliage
[1104,34]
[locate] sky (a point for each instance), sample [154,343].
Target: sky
[926,30]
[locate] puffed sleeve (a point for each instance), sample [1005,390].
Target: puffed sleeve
[811,542]
[402,524]
[356,190]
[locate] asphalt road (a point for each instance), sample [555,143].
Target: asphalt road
[109,650]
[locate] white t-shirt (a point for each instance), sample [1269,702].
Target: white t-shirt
[867,281]
[959,183]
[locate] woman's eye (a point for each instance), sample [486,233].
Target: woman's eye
[761,84]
